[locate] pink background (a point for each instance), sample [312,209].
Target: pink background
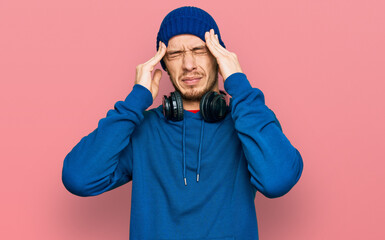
[320,64]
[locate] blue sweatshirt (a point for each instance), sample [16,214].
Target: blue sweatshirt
[191,180]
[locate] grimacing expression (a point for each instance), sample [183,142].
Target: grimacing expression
[192,68]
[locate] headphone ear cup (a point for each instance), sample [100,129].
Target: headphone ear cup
[203,106]
[213,106]
[166,107]
[219,107]
[178,106]
[207,106]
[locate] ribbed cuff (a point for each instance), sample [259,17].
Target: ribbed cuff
[236,84]
[140,97]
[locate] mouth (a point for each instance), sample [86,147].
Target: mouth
[191,81]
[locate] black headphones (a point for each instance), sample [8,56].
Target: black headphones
[212,106]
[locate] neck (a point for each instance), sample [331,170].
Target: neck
[190,105]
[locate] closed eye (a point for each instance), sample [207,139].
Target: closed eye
[199,50]
[173,55]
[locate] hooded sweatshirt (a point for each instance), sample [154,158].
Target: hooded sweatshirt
[191,180]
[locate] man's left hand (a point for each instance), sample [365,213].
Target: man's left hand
[227,61]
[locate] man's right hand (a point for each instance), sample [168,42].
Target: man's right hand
[144,72]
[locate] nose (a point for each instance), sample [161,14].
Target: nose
[189,62]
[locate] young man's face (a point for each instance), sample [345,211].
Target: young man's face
[192,68]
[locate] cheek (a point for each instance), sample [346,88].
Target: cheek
[211,68]
[170,68]
[211,62]
[174,74]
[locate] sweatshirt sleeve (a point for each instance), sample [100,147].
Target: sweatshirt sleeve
[102,160]
[274,164]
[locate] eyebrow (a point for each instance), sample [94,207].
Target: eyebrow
[195,48]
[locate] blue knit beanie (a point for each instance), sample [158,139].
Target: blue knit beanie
[186,20]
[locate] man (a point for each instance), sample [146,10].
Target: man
[194,175]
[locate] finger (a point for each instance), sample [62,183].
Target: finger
[214,47]
[215,40]
[157,77]
[212,38]
[157,52]
[216,37]
[210,45]
[158,56]
[155,82]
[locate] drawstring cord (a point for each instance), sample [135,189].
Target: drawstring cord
[200,150]
[184,151]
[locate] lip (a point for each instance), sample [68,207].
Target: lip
[191,81]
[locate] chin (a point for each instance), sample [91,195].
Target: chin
[193,95]
[197,92]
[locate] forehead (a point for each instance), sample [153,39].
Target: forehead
[183,41]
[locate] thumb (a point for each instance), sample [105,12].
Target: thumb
[155,82]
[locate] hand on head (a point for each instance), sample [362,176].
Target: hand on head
[227,61]
[144,72]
